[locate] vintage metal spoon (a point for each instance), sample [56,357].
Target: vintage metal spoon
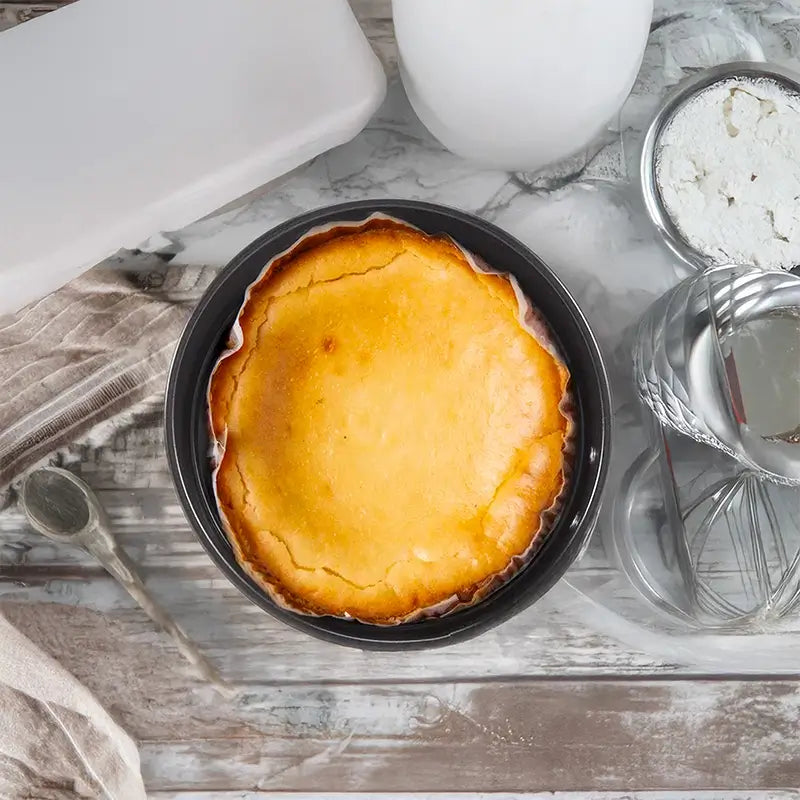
[63,508]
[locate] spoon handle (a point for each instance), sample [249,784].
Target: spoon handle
[99,542]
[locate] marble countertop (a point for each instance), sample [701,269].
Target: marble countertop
[543,703]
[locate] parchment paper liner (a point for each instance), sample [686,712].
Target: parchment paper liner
[529,318]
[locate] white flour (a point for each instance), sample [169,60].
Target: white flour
[728,169]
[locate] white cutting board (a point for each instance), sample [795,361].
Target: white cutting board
[122,118]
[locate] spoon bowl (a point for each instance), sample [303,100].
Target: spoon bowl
[58,504]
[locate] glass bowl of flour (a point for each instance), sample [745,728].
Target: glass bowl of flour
[720,167]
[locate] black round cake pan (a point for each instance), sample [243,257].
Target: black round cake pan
[204,338]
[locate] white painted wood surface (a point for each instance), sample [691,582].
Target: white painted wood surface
[542,703]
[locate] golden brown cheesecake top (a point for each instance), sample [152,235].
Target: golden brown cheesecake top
[392,432]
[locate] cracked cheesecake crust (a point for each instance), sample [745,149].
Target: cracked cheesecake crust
[392,426]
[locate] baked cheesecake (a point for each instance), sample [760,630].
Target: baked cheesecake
[392,426]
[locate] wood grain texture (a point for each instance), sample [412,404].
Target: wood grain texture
[513,736]
[369,736]
[375,17]
[701,795]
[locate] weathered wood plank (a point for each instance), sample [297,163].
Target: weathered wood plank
[702,795]
[375,17]
[249,647]
[506,735]
[509,737]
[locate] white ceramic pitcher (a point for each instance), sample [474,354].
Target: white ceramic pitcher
[518,84]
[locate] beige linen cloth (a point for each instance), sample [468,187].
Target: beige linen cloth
[69,362]
[56,741]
